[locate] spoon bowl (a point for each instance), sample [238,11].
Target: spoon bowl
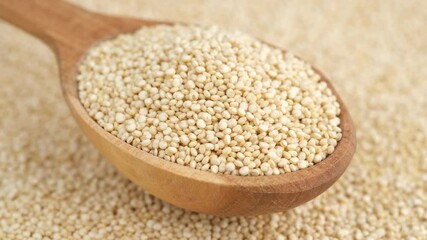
[71,31]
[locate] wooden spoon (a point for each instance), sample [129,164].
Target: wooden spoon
[70,31]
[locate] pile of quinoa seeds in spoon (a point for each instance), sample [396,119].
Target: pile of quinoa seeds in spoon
[212,100]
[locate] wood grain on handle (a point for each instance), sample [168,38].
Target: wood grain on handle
[50,20]
[61,24]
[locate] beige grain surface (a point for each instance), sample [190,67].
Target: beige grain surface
[55,185]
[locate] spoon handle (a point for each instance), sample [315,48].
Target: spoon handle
[53,21]
[63,25]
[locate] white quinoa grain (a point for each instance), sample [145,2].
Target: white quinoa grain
[120,118]
[244,171]
[230,167]
[303,164]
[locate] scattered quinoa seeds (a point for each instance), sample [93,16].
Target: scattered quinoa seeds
[212,100]
[55,185]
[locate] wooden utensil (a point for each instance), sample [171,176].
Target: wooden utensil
[70,31]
